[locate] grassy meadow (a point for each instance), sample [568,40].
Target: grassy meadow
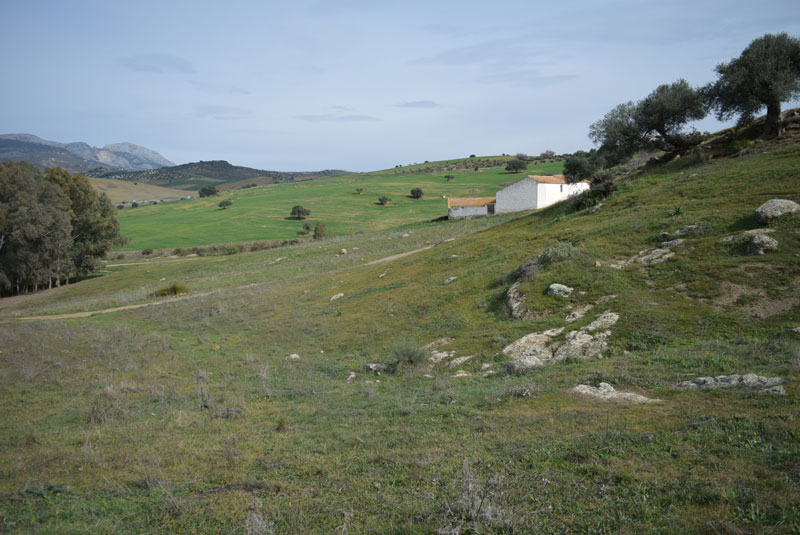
[262,213]
[187,416]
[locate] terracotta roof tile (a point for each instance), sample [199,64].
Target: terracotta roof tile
[469,201]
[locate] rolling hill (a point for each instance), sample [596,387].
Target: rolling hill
[218,173]
[252,399]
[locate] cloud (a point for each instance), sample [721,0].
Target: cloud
[419,104]
[525,78]
[329,117]
[340,108]
[158,63]
[212,111]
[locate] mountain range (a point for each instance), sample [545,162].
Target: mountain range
[79,156]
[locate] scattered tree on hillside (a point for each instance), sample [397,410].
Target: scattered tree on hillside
[225,204]
[582,165]
[298,212]
[416,193]
[448,178]
[359,190]
[766,74]
[134,204]
[516,165]
[319,231]
[208,191]
[383,200]
[306,227]
[471,155]
[617,133]
[547,154]
[661,115]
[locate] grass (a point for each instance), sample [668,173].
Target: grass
[120,191]
[187,416]
[262,213]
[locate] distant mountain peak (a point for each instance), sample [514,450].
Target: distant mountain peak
[79,156]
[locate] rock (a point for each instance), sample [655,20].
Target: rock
[796,330]
[382,275]
[650,257]
[606,320]
[438,356]
[459,361]
[559,290]
[528,268]
[756,382]
[687,230]
[461,373]
[448,280]
[375,367]
[350,377]
[438,342]
[746,235]
[485,366]
[343,251]
[406,235]
[337,296]
[515,301]
[293,356]
[539,349]
[760,244]
[672,243]
[578,313]
[775,209]
[595,208]
[607,392]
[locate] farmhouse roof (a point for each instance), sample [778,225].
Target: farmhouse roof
[554,179]
[469,201]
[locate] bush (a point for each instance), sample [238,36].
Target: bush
[383,200]
[319,231]
[557,253]
[147,252]
[120,206]
[134,205]
[298,212]
[172,289]
[416,193]
[208,191]
[404,354]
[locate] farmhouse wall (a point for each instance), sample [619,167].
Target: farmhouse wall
[518,196]
[460,212]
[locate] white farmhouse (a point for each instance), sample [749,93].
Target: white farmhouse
[534,192]
[464,207]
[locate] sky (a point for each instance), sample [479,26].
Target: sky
[354,84]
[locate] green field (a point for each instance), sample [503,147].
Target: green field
[186,416]
[262,213]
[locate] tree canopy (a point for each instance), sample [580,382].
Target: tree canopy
[53,227]
[208,191]
[516,165]
[766,74]
[662,114]
[416,193]
[298,212]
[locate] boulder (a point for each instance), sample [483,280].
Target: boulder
[775,209]
[606,320]
[343,251]
[760,244]
[606,392]
[771,385]
[746,235]
[578,312]
[672,243]
[461,373]
[293,356]
[559,290]
[448,280]
[458,361]
[515,301]
[337,296]
[651,256]
[523,364]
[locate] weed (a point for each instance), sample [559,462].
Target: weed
[173,289]
[404,354]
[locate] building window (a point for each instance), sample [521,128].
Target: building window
[562,188]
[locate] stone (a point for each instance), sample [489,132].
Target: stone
[485,366]
[653,256]
[533,344]
[438,356]
[448,280]
[293,356]
[351,377]
[523,364]
[672,243]
[606,320]
[760,244]
[559,290]
[405,235]
[458,361]
[375,367]
[343,251]
[438,343]
[578,313]
[746,235]
[606,392]
[581,344]
[461,373]
[382,275]
[595,208]
[515,301]
[337,296]
[796,330]
[775,209]
[771,385]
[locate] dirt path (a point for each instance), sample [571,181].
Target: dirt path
[88,313]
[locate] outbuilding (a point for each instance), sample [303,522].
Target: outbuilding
[464,207]
[534,192]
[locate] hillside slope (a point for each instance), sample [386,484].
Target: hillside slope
[188,415]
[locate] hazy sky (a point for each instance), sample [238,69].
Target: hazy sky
[354,84]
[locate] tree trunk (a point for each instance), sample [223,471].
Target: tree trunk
[773,126]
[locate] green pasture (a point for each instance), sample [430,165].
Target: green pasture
[186,416]
[262,213]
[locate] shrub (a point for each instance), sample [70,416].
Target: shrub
[120,206]
[405,354]
[383,200]
[208,191]
[227,203]
[298,212]
[178,252]
[319,231]
[557,253]
[134,205]
[416,193]
[147,252]
[172,289]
